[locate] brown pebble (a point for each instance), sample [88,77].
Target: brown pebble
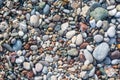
[83,45]
[27,46]
[83,26]
[82,58]
[98,72]
[30,74]
[56,17]
[115,55]
[115,66]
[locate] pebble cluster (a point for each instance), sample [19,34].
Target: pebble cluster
[59,39]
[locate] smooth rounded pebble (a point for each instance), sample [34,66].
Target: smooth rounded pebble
[72,52]
[34,20]
[101,51]
[26,65]
[79,39]
[111,32]
[38,67]
[70,34]
[88,56]
[98,38]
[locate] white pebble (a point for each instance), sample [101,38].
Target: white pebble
[99,24]
[21,33]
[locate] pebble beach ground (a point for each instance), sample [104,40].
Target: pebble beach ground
[59,39]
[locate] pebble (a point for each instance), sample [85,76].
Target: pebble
[89,48]
[98,38]
[99,23]
[3,26]
[17,46]
[34,20]
[118,7]
[20,60]
[112,12]
[84,74]
[79,39]
[117,14]
[56,18]
[92,23]
[72,52]
[115,61]
[26,65]
[70,34]
[105,25]
[38,67]
[46,9]
[64,26]
[115,55]
[45,70]
[33,47]
[88,56]
[21,33]
[48,58]
[92,72]
[111,32]
[8,47]
[107,61]
[100,53]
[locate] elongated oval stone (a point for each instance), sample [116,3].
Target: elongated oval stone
[101,51]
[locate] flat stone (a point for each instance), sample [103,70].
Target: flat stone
[70,34]
[72,52]
[79,39]
[88,56]
[111,32]
[34,20]
[38,67]
[115,55]
[26,65]
[98,38]
[100,53]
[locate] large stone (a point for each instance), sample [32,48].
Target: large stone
[101,51]
[99,13]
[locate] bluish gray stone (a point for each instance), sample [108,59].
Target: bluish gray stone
[18,45]
[111,31]
[46,9]
[7,46]
[45,70]
[107,61]
[98,38]
[101,51]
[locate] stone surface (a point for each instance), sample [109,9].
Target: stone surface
[100,53]
[46,9]
[99,23]
[18,45]
[64,26]
[112,12]
[20,60]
